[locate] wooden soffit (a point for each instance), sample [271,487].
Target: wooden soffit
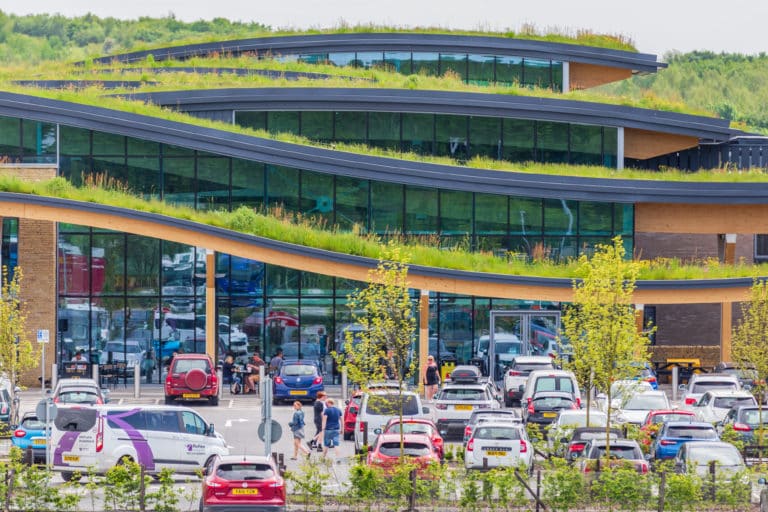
[701,218]
[584,76]
[644,144]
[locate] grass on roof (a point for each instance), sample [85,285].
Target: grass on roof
[304,231]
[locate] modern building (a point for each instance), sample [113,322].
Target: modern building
[95,277]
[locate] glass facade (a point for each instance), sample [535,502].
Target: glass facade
[459,137]
[24,141]
[9,247]
[471,68]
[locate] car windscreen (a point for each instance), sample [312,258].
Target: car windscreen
[672,416]
[692,432]
[75,420]
[410,428]
[389,405]
[32,424]
[552,402]
[617,452]
[591,436]
[409,449]
[498,433]
[703,386]
[130,348]
[185,365]
[529,367]
[508,347]
[580,419]
[298,370]
[726,402]
[554,384]
[725,455]
[646,403]
[78,397]
[462,394]
[752,417]
[245,471]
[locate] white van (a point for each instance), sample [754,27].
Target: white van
[548,380]
[378,407]
[156,437]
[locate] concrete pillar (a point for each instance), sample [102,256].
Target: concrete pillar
[620,147]
[423,336]
[730,249]
[566,76]
[726,329]
[210,304]
[639,313]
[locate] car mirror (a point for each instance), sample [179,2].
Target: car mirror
[346,402]
[521,388]
[377,431]
[211,431]
[205,471]
[48,392]
[647,456]
[354,410]
[425,410]
[653,435]
[681,387]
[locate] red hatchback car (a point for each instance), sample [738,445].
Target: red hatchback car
[192,377]
[350,414]
[417,426]
[418,448]
[242,482]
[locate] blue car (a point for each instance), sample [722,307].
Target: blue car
[29,436]
[675,434]
[646,373]
[297,380]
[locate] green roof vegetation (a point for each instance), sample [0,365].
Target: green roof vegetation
[304,231]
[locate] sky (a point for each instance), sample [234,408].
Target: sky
[655,26]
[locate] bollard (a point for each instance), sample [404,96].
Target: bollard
[220,377]
[95,374]
[344,383]
[142,489]
[485,463]
[412,497]
[261,382]
[136,381]
[54,375]
[538,490]
[712,475]
[364,426]
[675,382]
[662,490]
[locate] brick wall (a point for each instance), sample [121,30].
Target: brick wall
[688,246]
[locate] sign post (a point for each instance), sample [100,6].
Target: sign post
[43,337]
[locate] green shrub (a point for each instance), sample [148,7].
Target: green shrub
[470,491]
[309,481]
[563,485]
[622,487]
[683,492]
[366,483]
[122,484]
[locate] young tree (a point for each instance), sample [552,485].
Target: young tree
[750,342]
[17,353]
[383,348]
[600,323]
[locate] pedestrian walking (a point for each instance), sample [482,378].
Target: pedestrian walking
[318,408]
[431,378]
[297,429]
[331,428]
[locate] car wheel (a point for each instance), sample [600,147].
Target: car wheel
[169,400]
[275,401]
[202,507]
[68,476]
[214,400]
[508,402]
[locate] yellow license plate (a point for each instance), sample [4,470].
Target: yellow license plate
[299,392]
[71,458]
[549,414]
[494,453]
[190,395]
[38,441]
[463,407]
[245,491]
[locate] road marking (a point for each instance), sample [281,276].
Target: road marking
[120,402]
[228,423]
[231,402]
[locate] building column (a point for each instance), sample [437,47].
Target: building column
[210,304]
[620,147]
[423,337]
[566,76]
[726,329]
[730,249]
[639,312]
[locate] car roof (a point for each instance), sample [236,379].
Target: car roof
[689,424]
[714,376]
[258,459]
[583,430]
[728,393]
[503,424]
[300,362]
[713,444]
[70,381]
[533,359]
[408,438]
[616,442]
[672,411]
[564,394]
[411,419]
[553,372]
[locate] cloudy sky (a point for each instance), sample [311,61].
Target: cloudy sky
[655,26]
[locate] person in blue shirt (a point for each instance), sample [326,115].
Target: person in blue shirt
[297,429]
[331,427]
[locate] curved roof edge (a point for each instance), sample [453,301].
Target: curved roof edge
[328,161]
[446,43]
[332,257]
[442,102]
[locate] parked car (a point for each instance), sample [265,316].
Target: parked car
[418,448]
[517,373]
[700,383]
[637,407]
[674,434]
[696,457]
[297,380]
[501,415]
[568,420]
[646,373]
[747,374]
[714,405]
[130,352]
[655,419]
[242,482]
[498,444]
[191,377]
[621,452]
[79,391]
[573,447]
[417,426]
[550,380]
[350,414]
[544,406]
[305,352]
[455,402]
[30,437]
[621,392]
[746,422]
[378,407]
[507,347]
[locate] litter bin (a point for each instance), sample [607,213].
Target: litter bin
[446,367]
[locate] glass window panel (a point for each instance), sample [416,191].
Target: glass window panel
[497,245]
[169,150]
[107,264]
[313,285]
[74,141]
[74,277]
[490,214]
[485,137]
[525,247]
[418,133]
[141,147]
[425,63]
[557,76]
[560,217]
[341,59]
[537,73]
[629,246]
[518,140]
[350,127]
[112,166]
[283,188]
[242,277]
[369,60]
[595,218]
[509,70]
[351,203]
[525,216]
[561,248]
[108,144]
[314,58]
[586,144]
[316,329]
[624,224]
[143,175]
[587,245]
[247,184]
[455,212]
[345,287]
[384,130]
[38,141]
[481,323]
[283,122]
[281,325]
[399,62]
[451,136]
[454,63]
[179,264]
[317,125]
[551,142]
[455,325]
[140,317]
[179,181]
[282,281]
[10,137]
[143,265]
[610,146]
[251,119]
[213,183]
[317,195]
[9,257]
[481,70]
[386,207]
[420,210]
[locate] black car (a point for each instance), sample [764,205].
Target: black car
[746,422]
[544,406]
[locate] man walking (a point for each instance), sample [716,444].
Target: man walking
[318,408]
[331,428]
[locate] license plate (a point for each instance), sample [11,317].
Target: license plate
[549,414]
[463,407]
[299,392]
[496,453]
[190,395]
[38,441]
[245,491]
[71,458]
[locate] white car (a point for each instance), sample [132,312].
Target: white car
[636,408]
[498,444]
[517,373]
[703,382]
[569,419]
[129,352]
[378,407]
[621,391]
[454,403]
[714,405]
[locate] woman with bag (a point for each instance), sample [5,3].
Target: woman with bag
[431,378]
[297,429]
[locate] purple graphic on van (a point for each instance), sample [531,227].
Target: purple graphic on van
[143,452]
[65,444]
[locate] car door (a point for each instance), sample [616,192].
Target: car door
[704,407]
[195,441]
[163,433]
